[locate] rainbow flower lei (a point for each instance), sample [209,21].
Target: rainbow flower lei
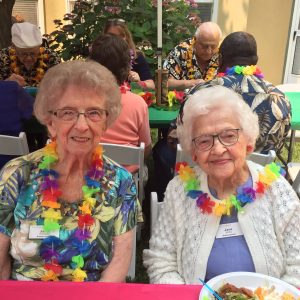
[223,207]
[40,69]
[52,215]
[243,70]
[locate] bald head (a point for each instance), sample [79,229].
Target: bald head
[209,29]
[208,36]
[238,48]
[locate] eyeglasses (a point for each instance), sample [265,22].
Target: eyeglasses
[227,137]
[116,21]
[27,54]
[67,114]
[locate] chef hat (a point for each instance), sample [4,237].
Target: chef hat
[26,35]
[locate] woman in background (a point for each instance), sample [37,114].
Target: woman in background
[140,72]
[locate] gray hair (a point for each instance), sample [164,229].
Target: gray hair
[85,74]
[207,100]
[209,27]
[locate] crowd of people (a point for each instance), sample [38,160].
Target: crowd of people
[68,212]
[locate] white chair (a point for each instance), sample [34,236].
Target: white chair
[129,155]
[155,208]
[259,158]
[262,159]
[294,173]
[14,145]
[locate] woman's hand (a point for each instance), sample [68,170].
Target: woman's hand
[118,267]
[5,260]
[19,79]
[134,76]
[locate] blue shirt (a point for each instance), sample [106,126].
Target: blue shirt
[230,254]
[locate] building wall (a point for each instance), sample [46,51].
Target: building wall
[54,9]
[269,22]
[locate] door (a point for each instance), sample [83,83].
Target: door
[292,70]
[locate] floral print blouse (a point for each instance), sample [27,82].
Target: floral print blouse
[115,213]
[182,63]
[10,64]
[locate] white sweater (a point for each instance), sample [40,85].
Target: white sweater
[183,238]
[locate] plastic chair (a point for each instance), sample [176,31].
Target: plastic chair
[259,158]
[155,208]
[14,145]
[129,155]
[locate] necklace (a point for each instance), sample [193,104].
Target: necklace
[210,72]
[223,207]
[36,73]
[78,243]
[243,70]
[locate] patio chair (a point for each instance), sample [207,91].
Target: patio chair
[14,145]
[129,155]
[155,208]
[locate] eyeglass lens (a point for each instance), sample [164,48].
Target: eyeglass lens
[227,138]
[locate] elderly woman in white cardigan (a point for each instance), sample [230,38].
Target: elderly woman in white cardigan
[226,214]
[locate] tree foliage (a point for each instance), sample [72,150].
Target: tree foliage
[6,7]
[75,33]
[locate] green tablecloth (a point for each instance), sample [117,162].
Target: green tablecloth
[294,98]
[161,118]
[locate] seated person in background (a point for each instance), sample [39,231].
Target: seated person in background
[16,105]
[132,125]
[238,71]
[67,212]
[219,130]
[140,71]
[195,59]
[26,61]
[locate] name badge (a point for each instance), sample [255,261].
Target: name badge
[229,230]
[37,232]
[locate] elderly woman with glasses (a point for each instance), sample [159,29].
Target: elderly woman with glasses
[226,214]
[67,212]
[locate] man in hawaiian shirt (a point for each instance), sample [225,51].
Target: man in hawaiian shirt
[238,71]
[196,59]
[26,61]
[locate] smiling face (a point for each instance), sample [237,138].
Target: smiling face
[81,136]
[220,162]
[28,57]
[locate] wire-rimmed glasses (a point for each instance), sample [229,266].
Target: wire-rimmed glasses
[68,114]
[227,137]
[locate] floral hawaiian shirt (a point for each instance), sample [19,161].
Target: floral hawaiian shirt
[182,63]
[115,213]
[9,64]
[269,103]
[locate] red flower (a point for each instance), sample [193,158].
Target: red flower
[205,203]
[179,164]
[179,95]
[55,267]
[260,187]
[85,221]
[148,97]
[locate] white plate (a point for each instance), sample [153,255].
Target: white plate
[248,280]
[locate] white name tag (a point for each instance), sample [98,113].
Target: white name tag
[229,230]
[37,232]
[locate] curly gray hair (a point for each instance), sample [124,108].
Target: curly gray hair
[207,100]
[86,74]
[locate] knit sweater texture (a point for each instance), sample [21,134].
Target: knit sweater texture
[183,237]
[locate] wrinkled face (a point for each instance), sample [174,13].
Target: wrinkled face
[220,162]
[28,56]
[206,45]
[81,135]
